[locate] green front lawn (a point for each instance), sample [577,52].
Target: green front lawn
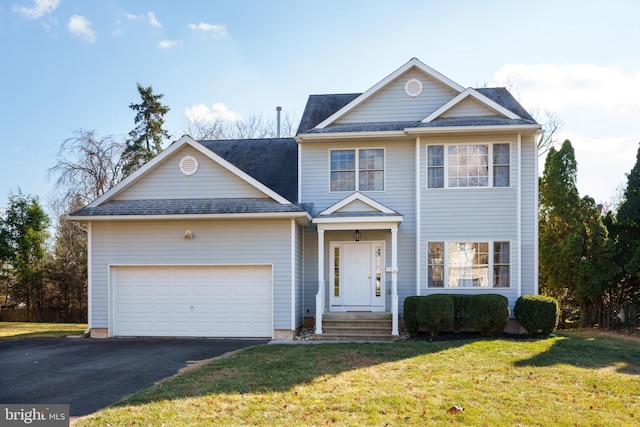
[33,329]
[565,380]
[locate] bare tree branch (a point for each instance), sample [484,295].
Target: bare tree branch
[87,166]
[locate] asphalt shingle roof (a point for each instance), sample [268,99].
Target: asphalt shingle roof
[272,161]
[186,207]
[320,107]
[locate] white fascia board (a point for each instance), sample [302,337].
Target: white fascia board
[413,62]
[385,225]
[357,221]
[353,197]
[479,97]
[267,215]
[524,129]
[187,140]
[320,137]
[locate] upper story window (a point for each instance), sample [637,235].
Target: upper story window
[468,165]
[358,169]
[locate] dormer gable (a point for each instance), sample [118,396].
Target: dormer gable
[469,103]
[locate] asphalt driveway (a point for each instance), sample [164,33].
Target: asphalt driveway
[90,374]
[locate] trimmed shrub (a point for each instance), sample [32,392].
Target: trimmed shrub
[489,313]
[435,313]
[410,314]
[538,314]
[462,311]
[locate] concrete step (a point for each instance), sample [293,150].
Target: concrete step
[353,337]
[356,326]
[356,329]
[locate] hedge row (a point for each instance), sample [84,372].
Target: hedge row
[487,313]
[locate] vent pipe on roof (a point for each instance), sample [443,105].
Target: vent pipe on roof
[278,110]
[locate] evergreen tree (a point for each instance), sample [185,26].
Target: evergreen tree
[146,138]
[560,228]
[627,230]
[576,254]
[23,235]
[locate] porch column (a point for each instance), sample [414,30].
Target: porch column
[394,281]
[320,294]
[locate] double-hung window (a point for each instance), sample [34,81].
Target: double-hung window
[468,165]
[358,169]
[468,264]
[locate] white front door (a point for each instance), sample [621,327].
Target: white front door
[357,276]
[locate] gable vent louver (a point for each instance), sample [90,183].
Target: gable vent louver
[188,165]
[413,87]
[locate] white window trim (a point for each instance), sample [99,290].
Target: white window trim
[446,165]
[490,267]
[357,169]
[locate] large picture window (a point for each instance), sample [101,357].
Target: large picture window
[468,165]
[468,264]
[361,169]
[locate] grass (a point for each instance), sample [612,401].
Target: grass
[566,380]
[33,329]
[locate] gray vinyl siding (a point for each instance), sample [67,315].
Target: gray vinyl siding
[392,103]
[468,107]
[529,214]
[211,180]
[215,243]
[481,214]
[399,195]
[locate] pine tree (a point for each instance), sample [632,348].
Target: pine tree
[146,138]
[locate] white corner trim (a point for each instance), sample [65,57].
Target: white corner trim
[418,213]
[360,197]
[294,276]
[470,92]
[412,63]
[519,144]
[89,277]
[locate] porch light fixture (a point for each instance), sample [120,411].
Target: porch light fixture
[356,235]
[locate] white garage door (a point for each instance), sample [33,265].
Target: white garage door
[188,301]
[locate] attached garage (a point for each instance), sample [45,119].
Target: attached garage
[192,301]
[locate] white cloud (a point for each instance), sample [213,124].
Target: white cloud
[168,44]
[38,10]
[153,20]
[554,87]
[218,111]
[216,31]
[81,27]
[132,17]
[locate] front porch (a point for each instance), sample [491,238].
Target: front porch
[357,273]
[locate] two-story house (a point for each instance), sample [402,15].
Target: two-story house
[416,186]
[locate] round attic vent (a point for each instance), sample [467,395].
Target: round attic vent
[188,165]
[413,88]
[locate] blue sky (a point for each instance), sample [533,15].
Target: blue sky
[72,64]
